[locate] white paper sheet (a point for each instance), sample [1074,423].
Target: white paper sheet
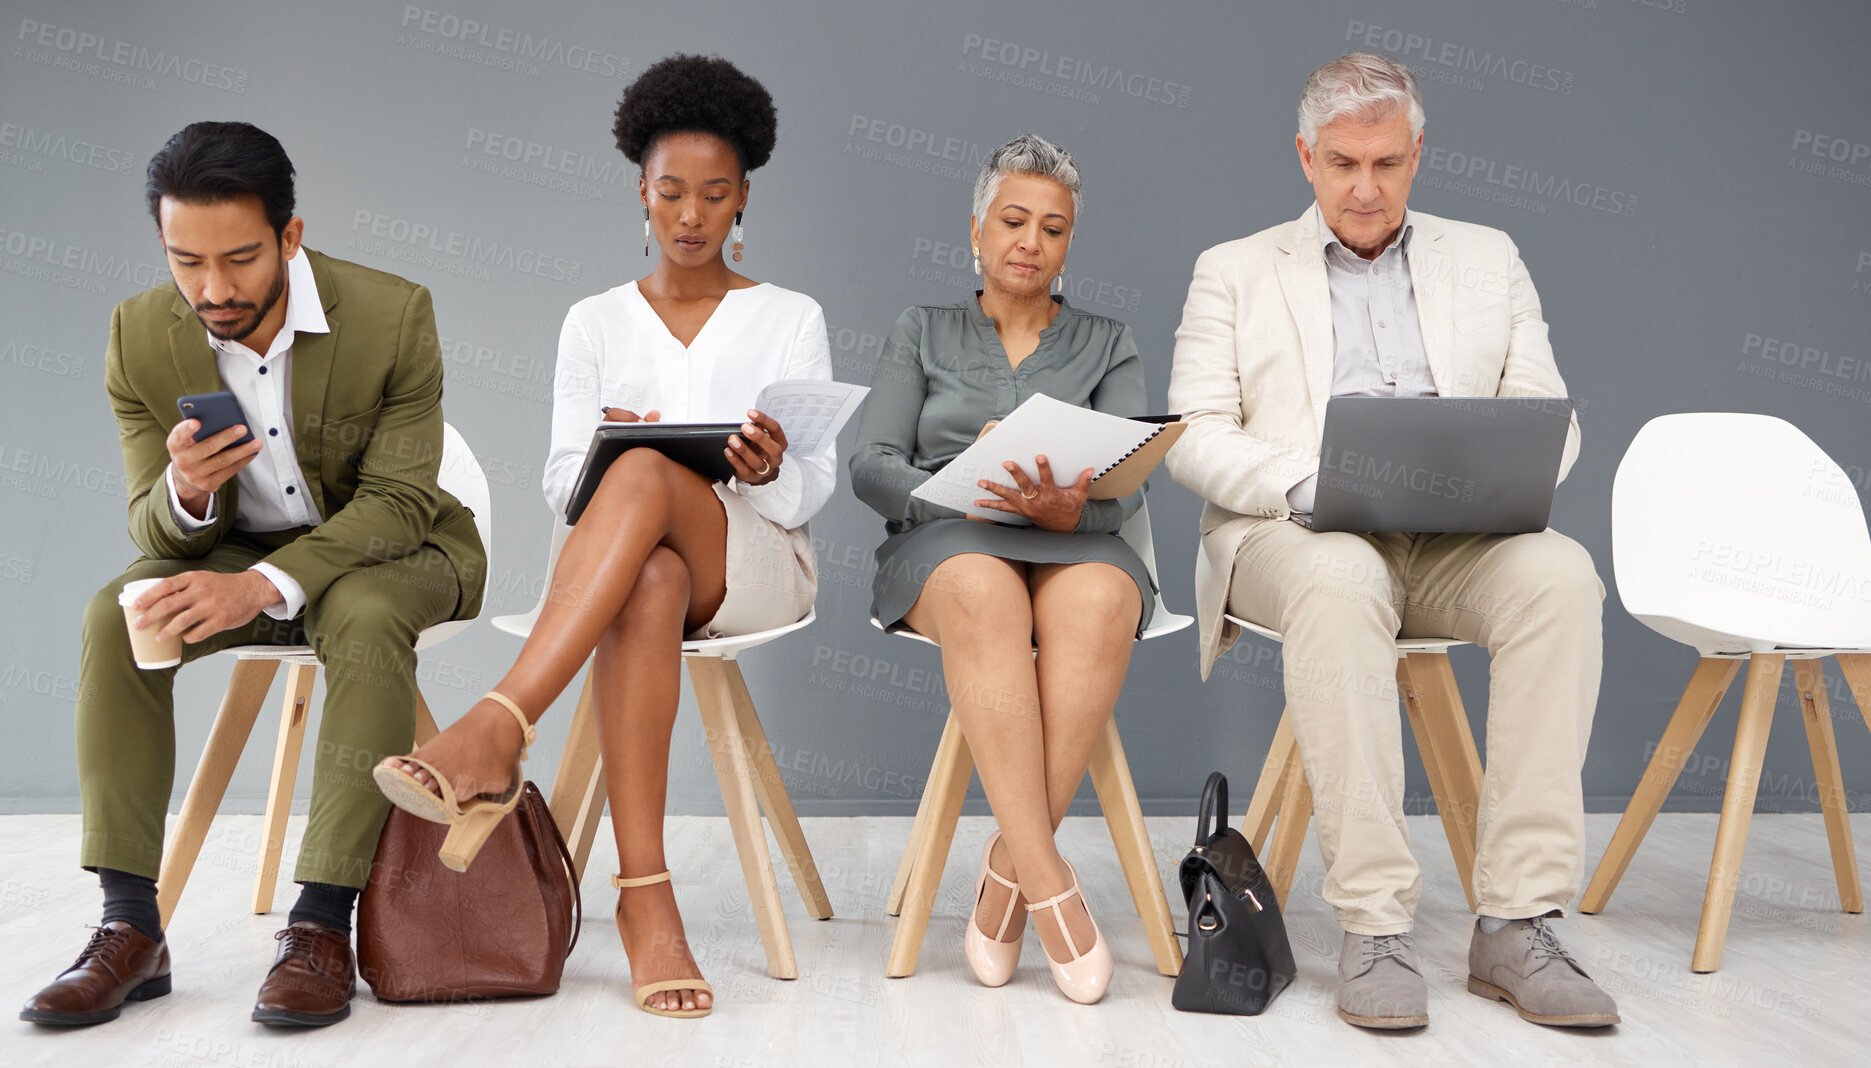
[1070,437]
[810,410]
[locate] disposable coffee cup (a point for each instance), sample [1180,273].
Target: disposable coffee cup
[150,653]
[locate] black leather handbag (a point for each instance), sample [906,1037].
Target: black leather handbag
[1239,958]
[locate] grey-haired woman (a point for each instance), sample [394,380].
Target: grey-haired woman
[991,594]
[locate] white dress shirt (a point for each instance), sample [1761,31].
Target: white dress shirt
[1376,336]
[273,493]
[616,352]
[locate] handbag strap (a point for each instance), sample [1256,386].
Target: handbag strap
[1213,815]
[571,876]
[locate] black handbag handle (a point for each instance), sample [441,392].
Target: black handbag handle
[1212,819]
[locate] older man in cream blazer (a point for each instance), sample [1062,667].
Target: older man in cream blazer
[1360,296]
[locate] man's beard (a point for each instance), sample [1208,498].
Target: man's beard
[245,327]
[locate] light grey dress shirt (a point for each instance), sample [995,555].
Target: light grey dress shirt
[1376,338]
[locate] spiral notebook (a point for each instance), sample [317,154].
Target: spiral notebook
[1120,452]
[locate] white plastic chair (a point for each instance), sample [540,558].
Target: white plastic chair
[1438,720]
[744,766]
[1737,535]
[460,474]
[919,874]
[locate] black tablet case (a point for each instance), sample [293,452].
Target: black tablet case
[696,446]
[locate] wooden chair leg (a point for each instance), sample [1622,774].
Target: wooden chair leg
[1809,680]
[292,717]
[233,724]
[1700,698]
[1440,723]
[1289,833]
[1731,836]
[1117,795]
[577,800]
[942,798]
[900,885]
[771,790]
[425,720]
[734,770]
[1857,670]
[1264,807]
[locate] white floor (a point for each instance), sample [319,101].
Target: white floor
[1792,989]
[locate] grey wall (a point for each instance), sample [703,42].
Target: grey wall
[1711,206]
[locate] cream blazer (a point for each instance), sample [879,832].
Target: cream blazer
[1253,370]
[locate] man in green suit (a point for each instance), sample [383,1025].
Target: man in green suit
[327,529]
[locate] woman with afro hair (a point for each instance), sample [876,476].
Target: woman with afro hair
[660,553]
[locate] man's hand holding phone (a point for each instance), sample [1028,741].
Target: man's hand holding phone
[201,467]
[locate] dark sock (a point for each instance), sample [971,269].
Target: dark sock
[132,899]
[324,904]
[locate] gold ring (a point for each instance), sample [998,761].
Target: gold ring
[1030,496]
[765,470]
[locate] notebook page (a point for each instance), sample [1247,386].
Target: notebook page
[1071,438]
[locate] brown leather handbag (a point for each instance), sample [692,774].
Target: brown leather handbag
[501,929]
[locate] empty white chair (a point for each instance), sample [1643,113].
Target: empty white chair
[1737,535]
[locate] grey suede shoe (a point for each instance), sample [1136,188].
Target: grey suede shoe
[1379,983]
[1524,965]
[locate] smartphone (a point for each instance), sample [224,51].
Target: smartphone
[216,411]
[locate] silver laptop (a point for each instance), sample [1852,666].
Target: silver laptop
[1483,465]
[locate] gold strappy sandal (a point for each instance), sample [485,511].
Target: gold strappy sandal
[470,822]
[642,993]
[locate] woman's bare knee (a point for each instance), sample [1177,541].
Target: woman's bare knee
[973,595]
[661,591]
[634,473]
[1088,599]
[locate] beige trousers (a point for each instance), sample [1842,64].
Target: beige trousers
[1533,601]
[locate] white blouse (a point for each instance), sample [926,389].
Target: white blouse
[615,352]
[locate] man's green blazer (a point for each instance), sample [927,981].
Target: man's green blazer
[367,425]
